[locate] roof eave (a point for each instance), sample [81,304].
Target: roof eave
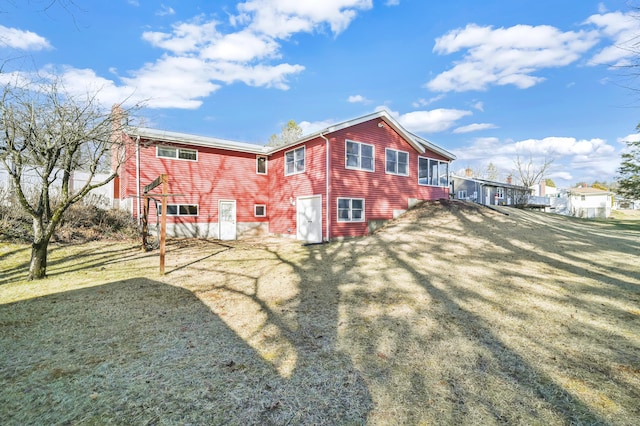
[188,139]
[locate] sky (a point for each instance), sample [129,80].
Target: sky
[489,80]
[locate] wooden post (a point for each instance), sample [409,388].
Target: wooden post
[163,222]
[145,223]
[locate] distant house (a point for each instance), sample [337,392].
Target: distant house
[342,181]
[31,181]
[622,203]
[484,191]
[590,202]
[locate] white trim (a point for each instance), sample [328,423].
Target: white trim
[386,150]
[177,149]
[373,156]
[308,197]
[235,219]
[255,212]
[266,164]
[295,172]
[362,219]
[159,206]
[439,162]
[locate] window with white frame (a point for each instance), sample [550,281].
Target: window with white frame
[462,195]
[350,209]
[433,172]
[500,192]
[261,165]
[397,162]
[294,161]
[260,210]
[179,153]
[359,156]
[179,209]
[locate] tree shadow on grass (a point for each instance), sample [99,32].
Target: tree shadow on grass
[436,340]
[143,352]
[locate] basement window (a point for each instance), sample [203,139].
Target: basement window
[179,209]
[350,209]
[260,210]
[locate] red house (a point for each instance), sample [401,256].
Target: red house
[342,181]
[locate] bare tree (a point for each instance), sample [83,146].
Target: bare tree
[47,133]
[529,173]
[290,133]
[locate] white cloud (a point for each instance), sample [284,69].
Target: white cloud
[433,121]
[633,137]
[585,159]
[309,127]
[165,11]
[424,102]
[479,106]
[211,57]
[474,127]
[23,40]
[506,56]
[623,30]
[354,99]
[392,3]
[282,18]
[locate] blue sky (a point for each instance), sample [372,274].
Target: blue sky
[487,80]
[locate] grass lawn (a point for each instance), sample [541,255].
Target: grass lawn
[453,314]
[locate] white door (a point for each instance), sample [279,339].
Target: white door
[227,214]
[309,219]
[487,196]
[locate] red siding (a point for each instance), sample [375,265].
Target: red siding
[230,175]
[216,175]
[285,189]
[383,193]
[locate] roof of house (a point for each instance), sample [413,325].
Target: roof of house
[489,182]
[420,144]
[186,138]
[588,191]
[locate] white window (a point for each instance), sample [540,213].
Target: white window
[179,209]
[180,153]
[500,192]
[462,195]
[359,156]
[294,161]
[397,162]
[433,172]
[260,210]
[350,209]
[261,165]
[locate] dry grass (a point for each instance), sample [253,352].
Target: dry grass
[454,314]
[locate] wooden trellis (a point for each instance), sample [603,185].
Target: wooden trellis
[163,180]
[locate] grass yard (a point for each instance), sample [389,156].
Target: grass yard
[453,314]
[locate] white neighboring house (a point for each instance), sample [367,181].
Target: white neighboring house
[100,197]
[590,202]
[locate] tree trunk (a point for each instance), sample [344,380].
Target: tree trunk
[38,265]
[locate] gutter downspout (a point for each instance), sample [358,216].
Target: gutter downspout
[138,179]
[328,186]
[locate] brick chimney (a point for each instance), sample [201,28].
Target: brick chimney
[543,188]
[510,180]
[468,172]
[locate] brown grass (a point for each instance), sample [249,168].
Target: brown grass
[453,314]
